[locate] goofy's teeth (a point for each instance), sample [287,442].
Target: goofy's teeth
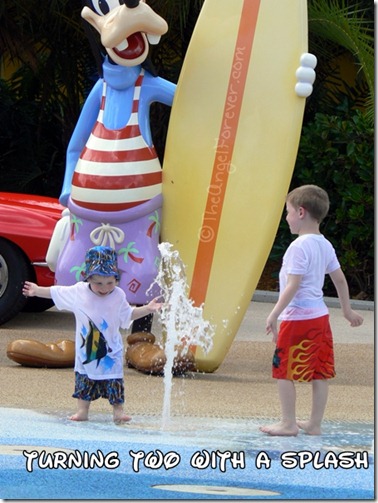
[153,39]
[123,45]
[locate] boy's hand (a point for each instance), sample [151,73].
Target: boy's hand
[154,305]
[271,327]
[354,318]
[29,289]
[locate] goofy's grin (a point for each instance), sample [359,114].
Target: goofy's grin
[127,30]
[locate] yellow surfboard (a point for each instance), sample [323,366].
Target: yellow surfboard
[231,148]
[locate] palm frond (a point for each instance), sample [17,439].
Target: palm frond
[346,26]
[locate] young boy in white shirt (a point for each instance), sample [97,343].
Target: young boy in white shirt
[101,309]
[304,343]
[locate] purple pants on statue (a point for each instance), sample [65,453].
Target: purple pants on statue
[133,233]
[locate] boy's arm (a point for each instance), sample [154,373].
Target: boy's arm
[286,296]
[341,285]
[141,311]
[33,290]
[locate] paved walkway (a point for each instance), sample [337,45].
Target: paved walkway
[210,452]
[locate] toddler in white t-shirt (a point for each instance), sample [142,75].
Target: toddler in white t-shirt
[101,309]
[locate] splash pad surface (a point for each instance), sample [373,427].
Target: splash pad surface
[49,457]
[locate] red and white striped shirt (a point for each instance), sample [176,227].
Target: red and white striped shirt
[116,169]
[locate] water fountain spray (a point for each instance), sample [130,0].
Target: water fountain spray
[183,326]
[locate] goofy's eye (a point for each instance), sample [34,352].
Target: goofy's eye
[102,7]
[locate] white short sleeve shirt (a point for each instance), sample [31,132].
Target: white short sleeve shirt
[312,256]
[98,341]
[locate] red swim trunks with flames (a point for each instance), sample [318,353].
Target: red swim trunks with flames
[304,350]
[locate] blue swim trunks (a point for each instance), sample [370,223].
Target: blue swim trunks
[90,389]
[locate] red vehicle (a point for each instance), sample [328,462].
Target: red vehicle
[26,226]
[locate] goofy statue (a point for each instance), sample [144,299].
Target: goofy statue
[112,187]
[113,180]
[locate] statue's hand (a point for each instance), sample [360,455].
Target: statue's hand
[305,75]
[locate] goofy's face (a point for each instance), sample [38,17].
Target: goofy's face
[126,27]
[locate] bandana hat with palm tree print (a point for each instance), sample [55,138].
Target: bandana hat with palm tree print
[101,260]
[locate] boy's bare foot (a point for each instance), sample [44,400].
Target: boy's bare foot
[122,419]
[82,411]
[307,428]
[79,417]
[119,416]
[280,430]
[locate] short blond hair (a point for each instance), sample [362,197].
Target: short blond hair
[312,198]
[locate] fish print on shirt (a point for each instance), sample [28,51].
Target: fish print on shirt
[95,343]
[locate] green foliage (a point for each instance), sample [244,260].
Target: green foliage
[336,152]
[346,27]
[47,70]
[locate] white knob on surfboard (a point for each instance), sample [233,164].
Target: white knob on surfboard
[305,75]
